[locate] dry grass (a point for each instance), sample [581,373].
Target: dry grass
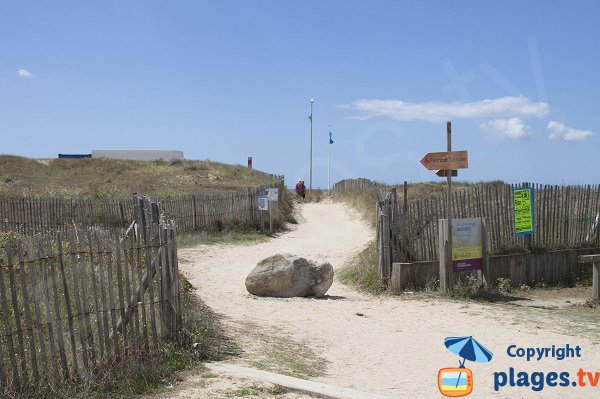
[417,191]
[203,339]
[360,201]
[190,240]
[121,178]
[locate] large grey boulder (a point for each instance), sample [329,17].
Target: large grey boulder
[287,276]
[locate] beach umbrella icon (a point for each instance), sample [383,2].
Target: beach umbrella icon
[469,349]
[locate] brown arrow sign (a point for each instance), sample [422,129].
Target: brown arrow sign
[444,173]
[446,160]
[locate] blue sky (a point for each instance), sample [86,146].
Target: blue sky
[224,80]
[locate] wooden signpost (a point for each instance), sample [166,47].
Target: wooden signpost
[446,160]
[446,164]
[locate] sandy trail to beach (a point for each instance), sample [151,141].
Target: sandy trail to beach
[392,346]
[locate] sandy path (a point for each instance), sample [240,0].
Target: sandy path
[396,348]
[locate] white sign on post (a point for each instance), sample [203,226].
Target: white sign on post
[273,194]
[263,203]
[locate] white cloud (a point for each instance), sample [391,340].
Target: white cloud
[512,128]
[506,107]
[24,73]
[558,130]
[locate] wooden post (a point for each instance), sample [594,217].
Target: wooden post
[77,296]
[47,263]
[385,241]
[447,276]
[67,300]
[27,313]
[443,250]
[394,200]
[270,217]
[7,330]
[485,269]
[38,314]
[17,316]
[122,215]
[405,196]
[379,240]
[101,270]
[595,260]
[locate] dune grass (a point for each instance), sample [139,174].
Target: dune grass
[120,178]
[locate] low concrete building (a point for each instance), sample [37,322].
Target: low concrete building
[138,155]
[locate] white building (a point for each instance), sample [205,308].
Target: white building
[138,155]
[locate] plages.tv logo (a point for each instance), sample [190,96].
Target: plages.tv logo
[458,381]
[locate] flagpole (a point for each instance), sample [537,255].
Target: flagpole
[329,168]
[329,161]
[312,100]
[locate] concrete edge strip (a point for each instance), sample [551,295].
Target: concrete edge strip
[311,388]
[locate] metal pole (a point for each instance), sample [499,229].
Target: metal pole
[329,168]
[312,100]
[328,165]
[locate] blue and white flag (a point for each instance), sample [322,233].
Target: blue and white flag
[330,139]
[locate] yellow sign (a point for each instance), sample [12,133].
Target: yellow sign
[462,253]
[523,200]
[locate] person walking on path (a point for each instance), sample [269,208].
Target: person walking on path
[301,188]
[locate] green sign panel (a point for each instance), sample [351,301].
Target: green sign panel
[523,199]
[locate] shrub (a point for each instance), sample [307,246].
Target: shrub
[504,285]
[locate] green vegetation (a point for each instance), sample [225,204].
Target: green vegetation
[362,273]
[121,178]
[470,286]
[9,239]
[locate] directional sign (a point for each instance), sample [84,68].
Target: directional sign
[444,173]
[446,160]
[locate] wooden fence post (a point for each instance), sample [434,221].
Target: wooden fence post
[595,260]
[485,269]
[194,215]
[385,247]
[379,241]
[443,251]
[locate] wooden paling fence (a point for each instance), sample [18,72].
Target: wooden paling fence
[564,217]
[217,212]
[72,301]
[31,215]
